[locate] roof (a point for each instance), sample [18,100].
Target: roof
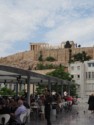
[10,74]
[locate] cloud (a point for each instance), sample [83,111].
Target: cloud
[79,30]
[58,20]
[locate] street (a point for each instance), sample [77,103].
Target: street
[78,116]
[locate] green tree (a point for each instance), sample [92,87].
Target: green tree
[67,45]
[79,46]
[40,66]
[70,54]
[40,56]
[40,89]
[81,57]
[73,90]
[60,73]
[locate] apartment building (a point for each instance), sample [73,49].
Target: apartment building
[83,75]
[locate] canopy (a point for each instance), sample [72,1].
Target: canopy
[10,74]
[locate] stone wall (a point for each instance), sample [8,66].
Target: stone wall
[30,58]
[63,54]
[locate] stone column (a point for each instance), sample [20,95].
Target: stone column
[30,47]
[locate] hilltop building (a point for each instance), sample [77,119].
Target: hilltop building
[61,54]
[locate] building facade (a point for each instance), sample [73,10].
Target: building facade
[83,75]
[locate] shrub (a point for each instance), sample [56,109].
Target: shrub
[51,59]
[6,91]
[40,56]
[40,66]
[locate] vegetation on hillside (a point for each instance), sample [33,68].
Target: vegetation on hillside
[80,57]
[41,66]
[60,73]
[40,56]
[50,59]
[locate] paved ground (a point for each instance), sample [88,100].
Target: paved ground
[78,116]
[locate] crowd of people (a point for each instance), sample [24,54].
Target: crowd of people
[49,101]
[18,105]
[14,107]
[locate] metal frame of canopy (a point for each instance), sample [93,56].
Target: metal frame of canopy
[9,74]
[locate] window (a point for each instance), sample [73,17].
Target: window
[72,76]
[89,75]
[78,76]
[93,64]
[90,64]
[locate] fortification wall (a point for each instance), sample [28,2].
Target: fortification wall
[58,54]
[30,58]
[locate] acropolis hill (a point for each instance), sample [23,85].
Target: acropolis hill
[30,58]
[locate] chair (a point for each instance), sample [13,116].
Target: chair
[42,116]
[28,112]
[23,118]
[28,115]
[31,113]
[4,118]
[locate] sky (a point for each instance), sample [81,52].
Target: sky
[52,21]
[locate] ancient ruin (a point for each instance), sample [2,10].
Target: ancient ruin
[30,58]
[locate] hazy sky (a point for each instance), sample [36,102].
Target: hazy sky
[51,21]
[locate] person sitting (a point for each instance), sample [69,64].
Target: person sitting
[69,99]
[20,110]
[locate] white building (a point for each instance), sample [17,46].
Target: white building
[83,74]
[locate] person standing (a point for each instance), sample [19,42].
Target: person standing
[47,103]
[91,103]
